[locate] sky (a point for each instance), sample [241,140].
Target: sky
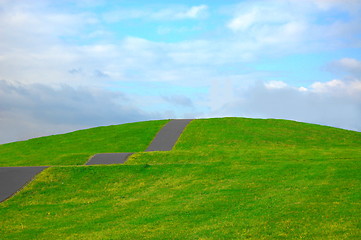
[69,65]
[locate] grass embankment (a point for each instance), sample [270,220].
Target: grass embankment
[77,147]
[226,179]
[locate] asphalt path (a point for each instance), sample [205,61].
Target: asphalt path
[165,140]
[12,179]
[108,158]
[167,137]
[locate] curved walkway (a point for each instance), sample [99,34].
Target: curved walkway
[12,179]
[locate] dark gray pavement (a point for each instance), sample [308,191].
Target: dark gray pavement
[163,141]
[12,179]
[168,135]
[108,158]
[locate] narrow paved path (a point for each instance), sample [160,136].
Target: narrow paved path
[168,135]
[12,179]
[108,158]
[165,140]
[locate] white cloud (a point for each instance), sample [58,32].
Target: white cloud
[336,87]
[349,66]
[193,12]
[178,13]
[296,26]
[254,14]
[350,63]
[302,89]
[328,4]
[328,86]
[275,85]
[175,13]
[244,21]
[274,30]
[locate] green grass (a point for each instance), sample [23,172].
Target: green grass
[229,178]
[77,147]
[235,133]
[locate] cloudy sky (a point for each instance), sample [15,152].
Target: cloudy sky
[68,65]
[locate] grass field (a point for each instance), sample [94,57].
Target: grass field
[229,178]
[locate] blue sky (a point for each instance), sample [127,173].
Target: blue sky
[68,65]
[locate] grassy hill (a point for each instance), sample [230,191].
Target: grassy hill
[228,178]
[239,139]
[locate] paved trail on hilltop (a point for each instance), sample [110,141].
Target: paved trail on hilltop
[12,179]
[168,135]
[165,140]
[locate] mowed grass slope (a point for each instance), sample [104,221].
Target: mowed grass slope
[77,147]
[229,178]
